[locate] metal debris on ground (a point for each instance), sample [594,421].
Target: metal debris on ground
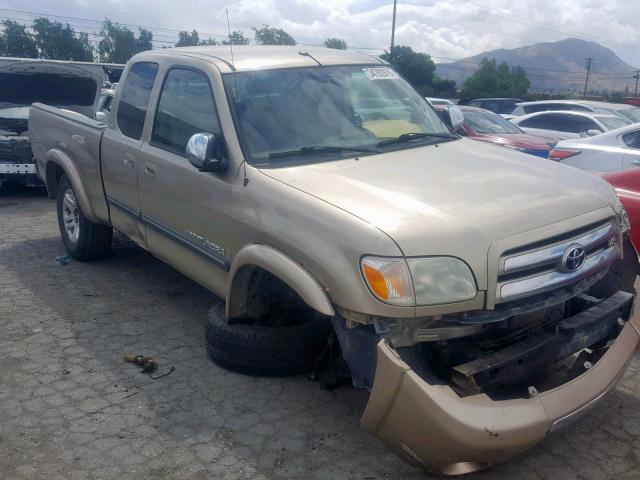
[63,260]
[148,365]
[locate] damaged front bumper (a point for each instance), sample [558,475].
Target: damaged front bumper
[432,426]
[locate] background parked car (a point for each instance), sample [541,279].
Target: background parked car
[487,126]
[626,112]
[439,101]
[612,151]
[498,105]
[104,104]
[559,125]
[627,185]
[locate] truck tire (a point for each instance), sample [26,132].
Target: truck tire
[83,239]
[621,276]
[263,350]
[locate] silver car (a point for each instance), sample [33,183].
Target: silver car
[559,125]
[612,151]
[624,111]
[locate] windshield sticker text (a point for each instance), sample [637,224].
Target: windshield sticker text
[380,74]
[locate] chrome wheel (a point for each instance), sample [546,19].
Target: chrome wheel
[70,215]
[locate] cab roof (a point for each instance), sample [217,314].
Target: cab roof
[260,57]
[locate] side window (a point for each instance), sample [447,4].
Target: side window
[135,98]
[541,121]
[632,139]
[186,107]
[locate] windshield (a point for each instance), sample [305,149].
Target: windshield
[632,114]
[612,123]
[488,122]
[342,109]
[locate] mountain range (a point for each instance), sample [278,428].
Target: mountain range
[554,67]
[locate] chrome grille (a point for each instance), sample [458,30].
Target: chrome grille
[540,268]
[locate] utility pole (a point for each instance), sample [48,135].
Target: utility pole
[586,80]
[393,32]
[636,76]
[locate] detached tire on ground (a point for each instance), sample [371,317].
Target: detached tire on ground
[83,239]
[264,350]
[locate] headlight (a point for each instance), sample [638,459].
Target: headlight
[436,280]
[622,217]
[388,279]
[441,280]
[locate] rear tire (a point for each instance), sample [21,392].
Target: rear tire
[83,239]
[263,350]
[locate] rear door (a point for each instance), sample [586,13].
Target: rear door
[630,142]
[121,144]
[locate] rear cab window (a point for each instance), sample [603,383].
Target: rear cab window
[134,101]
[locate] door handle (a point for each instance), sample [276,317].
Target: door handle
[129,160]
[150,169]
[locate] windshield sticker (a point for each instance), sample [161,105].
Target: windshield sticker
[380,74]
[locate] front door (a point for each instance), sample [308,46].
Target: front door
[120,149]
[181,206]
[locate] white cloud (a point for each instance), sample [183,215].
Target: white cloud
[443,28]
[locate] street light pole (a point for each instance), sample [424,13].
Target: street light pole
[393,32]
[586,80]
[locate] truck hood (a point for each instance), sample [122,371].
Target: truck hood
[60,84]
[454,198]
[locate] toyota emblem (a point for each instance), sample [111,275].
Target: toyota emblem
[573,258]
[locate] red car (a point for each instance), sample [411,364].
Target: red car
[486,126]
[627,185]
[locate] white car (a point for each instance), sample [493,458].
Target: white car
[612,151]
[439,101]
[560,125]
[622,110]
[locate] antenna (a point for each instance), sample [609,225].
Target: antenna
[230,39]
[245,180]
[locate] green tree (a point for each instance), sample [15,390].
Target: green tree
[492,80]
[119,43]
[267,35]
[416,68]
[15,41]
[236,38]
[186,39]
[336,43]
[59,41]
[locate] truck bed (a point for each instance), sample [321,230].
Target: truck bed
[73,141]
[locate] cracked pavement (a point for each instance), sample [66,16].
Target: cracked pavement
[70,408]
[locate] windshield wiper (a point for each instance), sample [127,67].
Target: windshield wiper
[320,149]
[408,137]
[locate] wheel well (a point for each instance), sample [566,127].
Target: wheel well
[257,294]
[52,175]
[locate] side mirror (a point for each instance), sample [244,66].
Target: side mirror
[101,116]
[592,132]
[207,153]
[457,117]
[452,116]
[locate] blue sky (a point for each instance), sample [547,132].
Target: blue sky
[443,28]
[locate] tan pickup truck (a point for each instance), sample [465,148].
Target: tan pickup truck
[320,196]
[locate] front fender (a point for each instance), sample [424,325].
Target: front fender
[57,158]
[258,255]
